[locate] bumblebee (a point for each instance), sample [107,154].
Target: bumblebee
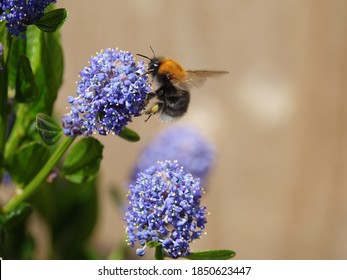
[174,84]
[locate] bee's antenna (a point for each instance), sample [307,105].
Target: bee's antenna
[150,59]
[152,51]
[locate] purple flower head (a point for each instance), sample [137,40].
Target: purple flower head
[182,143]
[164,206]
[18,14]
[112,90]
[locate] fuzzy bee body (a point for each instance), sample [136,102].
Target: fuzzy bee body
[172,102]
[174,84]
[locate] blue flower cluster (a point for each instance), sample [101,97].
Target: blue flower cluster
[21,13]
[164,206]
[182,143]
[112,90]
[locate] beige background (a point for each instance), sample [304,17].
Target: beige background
[278,120]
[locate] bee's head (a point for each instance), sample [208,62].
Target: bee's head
[153,64]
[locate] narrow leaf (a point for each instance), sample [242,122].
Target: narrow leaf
[48,129]
[26,88]
[3,32]
[83,161]
[211,255]
[17,50]
[129,135]
[52,20]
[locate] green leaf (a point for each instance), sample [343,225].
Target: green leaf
[52,20]
[48,69]
[2,32]
[211,255]
[129,135]
[46,58]
[83,161]
[33,49]
[159,255]
[14,240]
[49,72]
[153,244]
[27,161]
[16,217]
[70,212]
[45,54]
[17,49]
[48,129]
[26,88]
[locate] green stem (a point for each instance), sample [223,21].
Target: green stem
[3,111]
[18,130]
[40,177]
[159,253]
[3,97]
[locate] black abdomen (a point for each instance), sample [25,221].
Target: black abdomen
[175,102]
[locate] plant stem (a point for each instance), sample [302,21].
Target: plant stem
[36,182]
[18,130]
[159,253]
[4,97]
[3,110]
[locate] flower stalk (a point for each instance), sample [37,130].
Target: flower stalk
[159,253]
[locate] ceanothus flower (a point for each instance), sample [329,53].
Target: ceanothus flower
[111,90]
[18,14]
[164,206]
[183,143]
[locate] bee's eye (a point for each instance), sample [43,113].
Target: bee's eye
[153,67]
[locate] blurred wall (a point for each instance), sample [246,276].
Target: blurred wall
[278,120]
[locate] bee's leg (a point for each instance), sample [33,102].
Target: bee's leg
[149,96]
[157,93]
[154,109]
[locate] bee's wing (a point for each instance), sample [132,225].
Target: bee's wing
[195,78]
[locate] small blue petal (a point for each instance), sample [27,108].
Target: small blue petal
[140,252]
